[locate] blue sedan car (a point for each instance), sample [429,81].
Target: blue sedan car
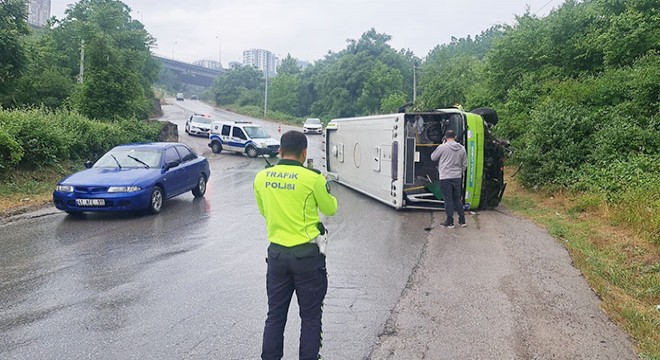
[134,177]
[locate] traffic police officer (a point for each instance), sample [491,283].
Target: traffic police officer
[289,196]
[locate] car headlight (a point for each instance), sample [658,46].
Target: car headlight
[262,145]
[123,189]
[64,188]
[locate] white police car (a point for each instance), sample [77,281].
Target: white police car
[198,124]
[242,137]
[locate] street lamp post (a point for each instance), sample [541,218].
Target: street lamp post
[414,81]
[219,50]
[266,92]
[173,46]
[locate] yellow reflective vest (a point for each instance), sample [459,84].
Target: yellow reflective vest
[288,195]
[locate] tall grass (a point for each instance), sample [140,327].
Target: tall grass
[614,243]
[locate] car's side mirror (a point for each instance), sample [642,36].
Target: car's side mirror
[171,164]
[88,164]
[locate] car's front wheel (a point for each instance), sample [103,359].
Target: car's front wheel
[156,200]
[251,151]
[200,188]
[216,147]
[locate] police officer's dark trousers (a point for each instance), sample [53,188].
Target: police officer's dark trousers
[301,269]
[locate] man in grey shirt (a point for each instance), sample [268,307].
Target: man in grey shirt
[452,162]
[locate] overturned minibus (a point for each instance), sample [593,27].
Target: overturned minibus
[388,157]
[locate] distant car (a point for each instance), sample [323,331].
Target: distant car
[134,177]
[179,97]
[198,124]
[193,97]
[313,126]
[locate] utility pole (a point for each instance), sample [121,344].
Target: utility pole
[266,95]
[414,81]
[220,50]
[82,62]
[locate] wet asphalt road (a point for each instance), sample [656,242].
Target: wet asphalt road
[189,283]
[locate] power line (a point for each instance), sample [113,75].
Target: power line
[543,7]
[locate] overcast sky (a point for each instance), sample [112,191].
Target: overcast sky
[190,30]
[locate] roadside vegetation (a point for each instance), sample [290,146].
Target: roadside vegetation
[577,93]
[69,93]
[618,261]
[38,147]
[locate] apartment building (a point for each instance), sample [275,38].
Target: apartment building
[261,59]
[38,12]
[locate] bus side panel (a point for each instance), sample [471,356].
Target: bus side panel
[475,160]
[360,154]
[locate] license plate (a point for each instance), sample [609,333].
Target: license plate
[90,202]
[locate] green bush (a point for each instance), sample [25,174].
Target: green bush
[618,175]
[556,144]
[37,137]
[131,130]
[623,131]
[87,139]
[43,141]
[589,132]
[11,152]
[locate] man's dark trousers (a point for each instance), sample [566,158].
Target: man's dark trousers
[451,193]
[301,269]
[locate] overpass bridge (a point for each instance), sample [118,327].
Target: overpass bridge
[189,73]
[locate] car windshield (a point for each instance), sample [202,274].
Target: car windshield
[202,120]
[256,132]
[124,157]
[313,121]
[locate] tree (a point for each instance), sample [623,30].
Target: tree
[450,83]
[111,85]
[307,94]
[382,82]
[347,83]
[227,88]
[393,102]
[119,68]
[289,66]
[13,26]
[282,94]
[44,82]
[632,33]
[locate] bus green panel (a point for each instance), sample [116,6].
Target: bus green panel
[475,160]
